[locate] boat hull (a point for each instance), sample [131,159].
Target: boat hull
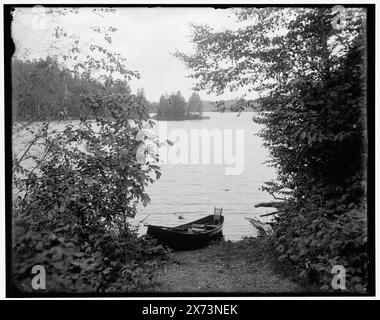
[177,238]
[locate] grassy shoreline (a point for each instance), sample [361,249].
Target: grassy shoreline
[248,266]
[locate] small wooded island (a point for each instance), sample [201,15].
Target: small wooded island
[187,117]
[175,107]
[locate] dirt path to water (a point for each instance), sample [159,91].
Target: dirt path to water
[225,266]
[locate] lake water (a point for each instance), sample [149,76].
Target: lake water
[191,191]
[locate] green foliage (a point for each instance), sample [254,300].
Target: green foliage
[172,106]
[78,259]
[328,176]
[68,67]
[163,106]
[73,218]
[195,104]
[310,78]
[72,214]
[45,90]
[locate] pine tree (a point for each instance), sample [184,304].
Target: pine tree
[195,105]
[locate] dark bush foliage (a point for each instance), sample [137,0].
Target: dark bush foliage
[72,214]
[78,183]
[81,259]
[311,77]
[325,221]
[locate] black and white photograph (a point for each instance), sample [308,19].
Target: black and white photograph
[189,150]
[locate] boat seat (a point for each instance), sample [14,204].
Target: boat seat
[202,226]
[196,225]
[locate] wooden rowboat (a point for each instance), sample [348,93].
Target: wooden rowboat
[190,235]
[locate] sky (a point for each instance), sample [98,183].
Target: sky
[147,37]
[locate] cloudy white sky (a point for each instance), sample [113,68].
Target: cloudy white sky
[145,36]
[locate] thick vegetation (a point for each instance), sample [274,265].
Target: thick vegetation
[174,106]
[309,72]
[72,206]
[73,218]
[43,89]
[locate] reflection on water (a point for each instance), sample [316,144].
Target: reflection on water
[191,191]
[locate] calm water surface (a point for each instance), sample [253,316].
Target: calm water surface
[191,191]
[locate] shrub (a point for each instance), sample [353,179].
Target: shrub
[73,218]
[310,77]
[325,220]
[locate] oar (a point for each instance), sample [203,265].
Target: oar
[144,218]
[168,228]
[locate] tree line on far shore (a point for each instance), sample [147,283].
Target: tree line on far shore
[174,106]
[43,90]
